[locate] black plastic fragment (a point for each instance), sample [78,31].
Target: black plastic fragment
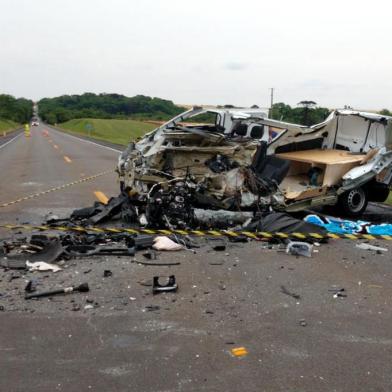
[82,288]
[284,290]
[144,241]
[31,286]
[170,286]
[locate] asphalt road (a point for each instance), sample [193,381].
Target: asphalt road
[133,341]
[46,160]
[9,137]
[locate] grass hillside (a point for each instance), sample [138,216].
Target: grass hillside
[7,125]
[115,131]
[389,200]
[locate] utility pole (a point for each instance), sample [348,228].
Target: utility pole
[272,101]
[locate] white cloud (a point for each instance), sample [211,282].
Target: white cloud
[235,66]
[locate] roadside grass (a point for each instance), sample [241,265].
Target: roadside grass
[114,131]
[389,200]
[7,125]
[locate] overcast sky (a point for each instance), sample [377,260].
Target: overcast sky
[200,52]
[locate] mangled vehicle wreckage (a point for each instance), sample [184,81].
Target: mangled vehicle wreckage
[183,173]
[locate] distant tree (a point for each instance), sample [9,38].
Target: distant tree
[385,112]
[90,105]
[283,112]
[306,105]
[16,109]
[254,107]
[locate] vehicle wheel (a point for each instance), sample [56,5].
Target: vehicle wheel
[377,192]
[353,202]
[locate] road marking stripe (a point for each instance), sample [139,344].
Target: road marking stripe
[101,197]
[66,159]
[87,141]
[9,141]
[57,188]
[56,146]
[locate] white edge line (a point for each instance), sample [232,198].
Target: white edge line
[86,141]
[9,141]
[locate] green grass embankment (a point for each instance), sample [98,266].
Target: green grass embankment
[389,200]
[114,131]
[7,126]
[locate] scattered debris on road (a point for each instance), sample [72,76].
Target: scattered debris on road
[169,285]
[297,248]
[284,290]
[338,292]
[365,246]
[42,266]
[165,243]
[31,286]
[239,351]
[82,288]
[345,226]
[207,188]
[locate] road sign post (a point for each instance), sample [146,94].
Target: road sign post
[89,127]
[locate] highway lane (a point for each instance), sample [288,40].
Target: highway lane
[47,159]
[9,137]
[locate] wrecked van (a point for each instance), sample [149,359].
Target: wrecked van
[242,162]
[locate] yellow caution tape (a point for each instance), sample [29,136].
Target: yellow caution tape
[199,233]
[57,188]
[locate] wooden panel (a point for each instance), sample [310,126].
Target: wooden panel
[293,188]
[322,156]
[334,173]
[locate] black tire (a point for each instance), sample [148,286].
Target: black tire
[353,202]
[377,192]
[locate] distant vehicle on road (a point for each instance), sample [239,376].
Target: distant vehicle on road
[34,123]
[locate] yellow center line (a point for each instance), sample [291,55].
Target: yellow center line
[101,197]
[66,159]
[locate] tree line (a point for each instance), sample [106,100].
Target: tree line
[19,110]
[90,105]
[306,113]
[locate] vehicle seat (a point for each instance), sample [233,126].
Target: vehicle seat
[257,132]
[239,130]
[269,167]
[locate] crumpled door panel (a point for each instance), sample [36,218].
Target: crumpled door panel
[360,175]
